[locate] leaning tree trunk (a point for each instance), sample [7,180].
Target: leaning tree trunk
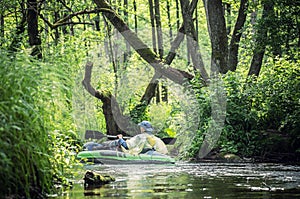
[236,36]
[161,67]
[139,109]
[261,38]
[140,47]
[218,35]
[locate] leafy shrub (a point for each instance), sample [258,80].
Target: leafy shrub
[261,112]
[269,103]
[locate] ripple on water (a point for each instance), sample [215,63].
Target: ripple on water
[203,180]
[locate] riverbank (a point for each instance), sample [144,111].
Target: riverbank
[274,157]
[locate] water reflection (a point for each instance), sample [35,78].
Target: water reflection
[205,180]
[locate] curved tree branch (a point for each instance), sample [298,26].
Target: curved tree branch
[65,20]
[86,82]
[116,122]
[140,47]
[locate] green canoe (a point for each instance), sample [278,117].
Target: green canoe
[117,157]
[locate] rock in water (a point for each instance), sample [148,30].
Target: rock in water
[95,180]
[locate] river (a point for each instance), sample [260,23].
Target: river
[186,180]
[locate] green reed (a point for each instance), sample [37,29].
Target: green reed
[24,153]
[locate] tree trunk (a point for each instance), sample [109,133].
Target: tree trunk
[97,22]
[159,43]
[135,17]
[227,12]
[197,24]
[56,33]
[169,20]
[154,84]
[116,123]
[17,37]
[236,36]
[127,53]
[298,24]
[152,20]
[260,44]
[164,91]
[158,29]
[191,37]
[177,15]
[1,28]
[33,32]
[218,35]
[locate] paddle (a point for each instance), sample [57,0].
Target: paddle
[91,134]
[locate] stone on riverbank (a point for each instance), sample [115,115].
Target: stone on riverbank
[229,157]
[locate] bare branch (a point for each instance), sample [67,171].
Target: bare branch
[65,5]
[70,16]
[65,20]
[75,23]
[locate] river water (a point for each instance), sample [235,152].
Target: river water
[186,180]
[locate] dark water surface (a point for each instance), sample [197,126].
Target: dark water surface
[202,180]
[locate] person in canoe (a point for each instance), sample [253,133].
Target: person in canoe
[144,142]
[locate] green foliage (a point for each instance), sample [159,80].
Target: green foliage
[262,113]
[204,111]
[23,138]
[269,103]
[37,133]
[64,147]
[159,112]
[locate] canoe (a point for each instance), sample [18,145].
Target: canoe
[117,157]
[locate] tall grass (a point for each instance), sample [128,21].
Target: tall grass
[37,131]
[24,152]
